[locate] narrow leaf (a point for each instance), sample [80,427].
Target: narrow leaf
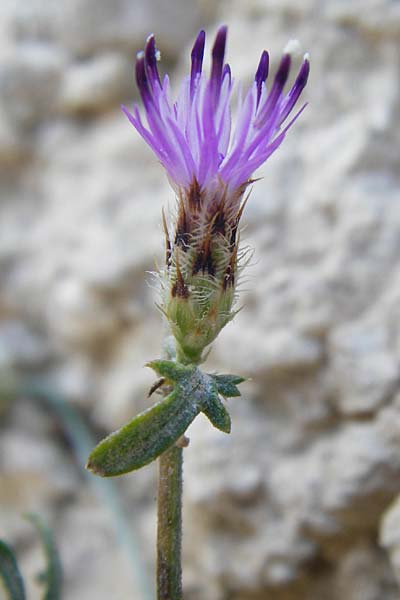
[171,370]
[226,385]
[10,574]
[217,413]
[146,437]
[52,576]
[155,430]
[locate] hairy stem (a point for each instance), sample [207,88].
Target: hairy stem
[169,533]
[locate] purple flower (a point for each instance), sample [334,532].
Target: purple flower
[210,164]
[193,137]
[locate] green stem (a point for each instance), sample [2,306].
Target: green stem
[169,504]
[169,533]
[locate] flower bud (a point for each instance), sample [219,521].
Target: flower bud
[201,271]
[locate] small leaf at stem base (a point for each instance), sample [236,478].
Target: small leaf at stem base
[52,577]
[10,574]
[152,432]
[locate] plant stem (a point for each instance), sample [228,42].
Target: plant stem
[169,533]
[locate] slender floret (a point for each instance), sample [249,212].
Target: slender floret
[193,137]
[210,165]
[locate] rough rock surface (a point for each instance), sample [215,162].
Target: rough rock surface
[290,506]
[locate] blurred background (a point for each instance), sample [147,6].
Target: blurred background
[301,501]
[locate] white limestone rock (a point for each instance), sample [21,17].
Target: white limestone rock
[289,505]
[30,76]
[96,85]
[365,369]
[390,535]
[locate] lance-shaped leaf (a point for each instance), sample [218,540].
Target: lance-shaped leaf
[173,371]
[51,577]
[155,430]
[217,413]
[10,575]
[227,385]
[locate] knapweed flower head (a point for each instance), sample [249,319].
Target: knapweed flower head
[209,163]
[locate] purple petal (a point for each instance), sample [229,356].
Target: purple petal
[296,116]
[247,168]
[243,124]
[264,135]
[192,137]
[148,137]
[184,149]
[223,119]
[209,151]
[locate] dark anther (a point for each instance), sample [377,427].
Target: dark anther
[283,71]
[262,73]
[263,66]
[150,53]
[296,90]
[141,78]
[303,75]
[197,58]
[218,53]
